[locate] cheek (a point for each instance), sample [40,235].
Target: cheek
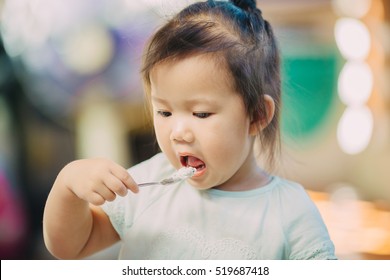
[233,128]
[161,133]
[223,140]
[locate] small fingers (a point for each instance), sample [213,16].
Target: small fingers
[124,176]
[96,199]
[97,194]
[116,185]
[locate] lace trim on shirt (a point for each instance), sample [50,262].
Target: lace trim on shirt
[116,212]
[325,251]
[216,249]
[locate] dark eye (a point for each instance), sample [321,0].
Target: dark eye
[164,114]
[202,115]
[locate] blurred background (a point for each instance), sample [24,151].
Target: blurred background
[70,88]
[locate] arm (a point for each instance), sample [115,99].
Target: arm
[73,224]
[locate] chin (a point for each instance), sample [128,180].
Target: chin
[198,185]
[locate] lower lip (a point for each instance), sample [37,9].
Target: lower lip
[199,173]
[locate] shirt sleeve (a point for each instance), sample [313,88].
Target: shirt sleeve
[115,210]
[305,230]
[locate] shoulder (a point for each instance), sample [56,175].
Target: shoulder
[290,191]
[295,205]
[297,210]
[303,226]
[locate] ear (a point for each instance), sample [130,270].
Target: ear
[261,123]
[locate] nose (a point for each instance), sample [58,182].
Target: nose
[181,132]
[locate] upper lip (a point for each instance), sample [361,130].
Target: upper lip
[185,154]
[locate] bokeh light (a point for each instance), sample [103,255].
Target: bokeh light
[351,8]
[88,49]
[352,38]
[355,128]
[355,83]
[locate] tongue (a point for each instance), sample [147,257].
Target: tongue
[194,162]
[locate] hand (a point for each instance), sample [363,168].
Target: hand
[97,180]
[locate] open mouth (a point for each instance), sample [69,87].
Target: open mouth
[194,162]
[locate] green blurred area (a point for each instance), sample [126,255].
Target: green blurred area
[309,89]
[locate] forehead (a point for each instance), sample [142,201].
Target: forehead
[195,71]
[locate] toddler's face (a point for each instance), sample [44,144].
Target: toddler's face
[201,121]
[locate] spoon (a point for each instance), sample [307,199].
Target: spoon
[181,174]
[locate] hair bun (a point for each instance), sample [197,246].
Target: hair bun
[246,5]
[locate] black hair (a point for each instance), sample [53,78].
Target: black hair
[234,33]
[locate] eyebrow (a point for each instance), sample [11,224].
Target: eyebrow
[158,99]
[189,102]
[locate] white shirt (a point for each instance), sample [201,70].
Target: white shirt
[277,221]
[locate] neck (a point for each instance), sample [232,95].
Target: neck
[249,176]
